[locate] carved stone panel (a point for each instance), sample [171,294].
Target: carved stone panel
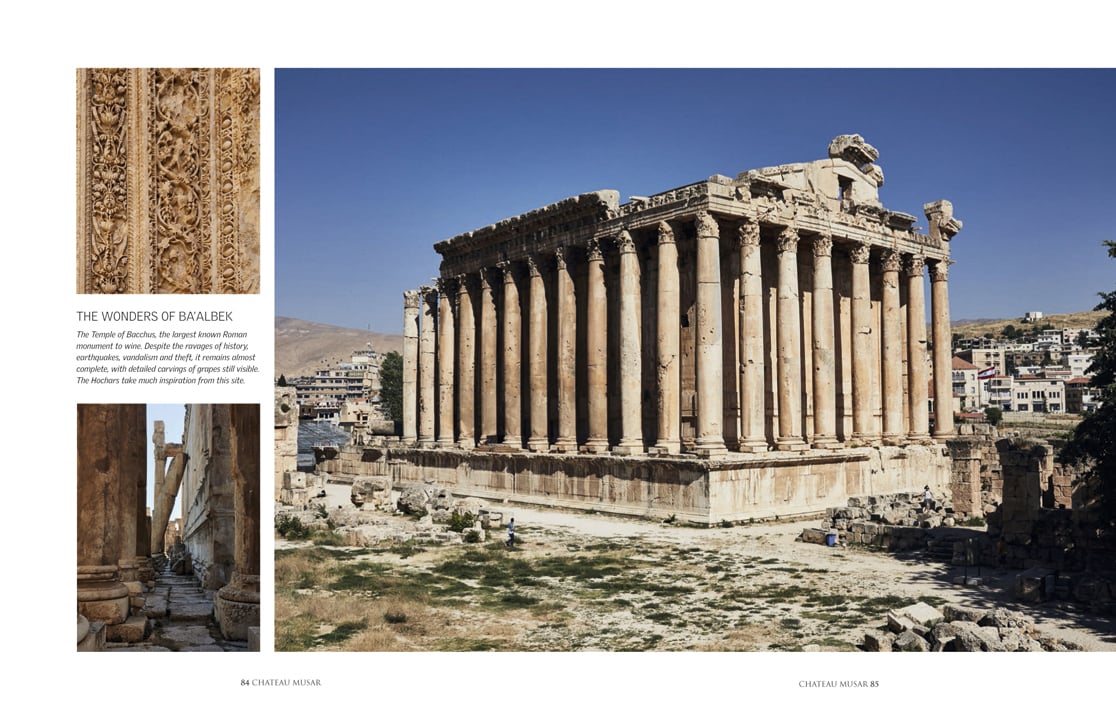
[168,184]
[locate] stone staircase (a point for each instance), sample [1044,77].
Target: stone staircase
[182,613]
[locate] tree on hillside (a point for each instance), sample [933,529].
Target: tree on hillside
[282,380]
[391,385]
[1094,441]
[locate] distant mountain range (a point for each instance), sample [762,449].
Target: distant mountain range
[302,347]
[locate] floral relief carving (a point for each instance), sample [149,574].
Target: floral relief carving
[107,250]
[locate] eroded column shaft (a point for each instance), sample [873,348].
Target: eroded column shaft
[410,365]
[596,341]
[789,343]
[825,395]
[668,372]
[892,344]
[943,354]
[513,412]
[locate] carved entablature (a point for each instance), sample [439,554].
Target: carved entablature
[853,149]
[943,225]
[640,204]
[567,222]
[168,180]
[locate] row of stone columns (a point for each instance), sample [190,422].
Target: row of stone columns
[752,346]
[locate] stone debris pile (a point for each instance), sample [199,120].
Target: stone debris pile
[893,522]
[921,627]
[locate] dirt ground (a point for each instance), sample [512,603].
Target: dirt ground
[580,582]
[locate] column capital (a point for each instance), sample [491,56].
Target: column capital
[625,243]
[533,265]
[916,265]
[594,253]
[447,286]
[860,252]
[508,269]
[666,233]
[788,240]
[410,298]
[562,257]
[823,245]
[892,261]
[706,225]
[486,284]
[939,270]
[748,233]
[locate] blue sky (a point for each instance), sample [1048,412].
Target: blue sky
[375,166]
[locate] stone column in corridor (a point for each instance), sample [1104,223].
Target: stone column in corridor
[538,441]
[596,341]
[513,411]
[466,365]
[237,605]
[410,366]
[861,345]
[892,351]
[487,333]
[825,395]
[631,424]
[789,339]
[445,363]
[918,384]
[943,353]
[709,438]
[110,445]
[753,436]
[566,439]
[426,403]
[668,371]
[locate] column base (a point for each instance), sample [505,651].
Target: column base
[893,440]
[826,442]
[595,446]
[100,596]
[919,438]
[626,449]
[466,444]
[538,445]
[791,444]
[666,448]
[754,446]
[710,449]
[863,440]
[237,607]
[445,444]
[425,444]
[564,445]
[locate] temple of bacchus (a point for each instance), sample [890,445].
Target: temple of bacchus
[732,349]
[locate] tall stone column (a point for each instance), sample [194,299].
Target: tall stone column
[165,495]
[159,439]
[943,348]
[539,440]
[513,411]
[596,341]
[892,344]
[445,364]
[427,402]
[753,436]
[861,344]
[789,343]
[566,439]
[410,366]
[631,417]
[668,374]
[708,359]
[110,445]
[237,605]
[466,365]
[917,381]
[825,394]
[487,332]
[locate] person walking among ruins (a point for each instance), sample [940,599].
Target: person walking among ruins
[927,499]
[511,532]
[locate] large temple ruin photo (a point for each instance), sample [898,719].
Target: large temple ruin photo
[149,579]
[734,349]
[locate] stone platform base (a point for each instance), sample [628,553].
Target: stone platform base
[733,487]
[132,631]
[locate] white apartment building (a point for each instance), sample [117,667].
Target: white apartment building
[1041,396]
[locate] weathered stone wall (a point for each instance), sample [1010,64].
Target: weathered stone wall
[738,488]
[207,494]
[286,434]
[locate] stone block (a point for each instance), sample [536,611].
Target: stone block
[898,623]
[254,638]
[1002,618]
[132,631]
[878,641]
[910,641]
[922,613]
[814,536]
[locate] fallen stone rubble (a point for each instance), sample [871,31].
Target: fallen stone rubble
[895,522]
[921,627]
